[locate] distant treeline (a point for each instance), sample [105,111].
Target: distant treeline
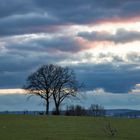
[77,110]
[72,110]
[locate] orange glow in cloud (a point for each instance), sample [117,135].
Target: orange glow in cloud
[86,44]
[12,91]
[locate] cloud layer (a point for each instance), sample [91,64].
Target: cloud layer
[23,17]
[72,33]
[121,36]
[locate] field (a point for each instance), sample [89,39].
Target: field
[24,127]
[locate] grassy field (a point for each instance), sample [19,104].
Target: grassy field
[20,127]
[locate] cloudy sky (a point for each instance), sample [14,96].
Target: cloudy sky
[100,40]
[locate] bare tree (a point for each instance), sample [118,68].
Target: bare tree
[40,83]
[65,86]
[97,110]
[52,82]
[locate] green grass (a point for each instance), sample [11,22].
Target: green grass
[22,127]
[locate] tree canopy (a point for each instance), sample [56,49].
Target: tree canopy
[52,82]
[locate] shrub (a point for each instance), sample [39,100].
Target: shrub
[75,111]
[109,130]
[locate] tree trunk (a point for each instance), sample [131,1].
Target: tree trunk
[57,105]
[57,110]
[47,107]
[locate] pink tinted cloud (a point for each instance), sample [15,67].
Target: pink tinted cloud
[116,20]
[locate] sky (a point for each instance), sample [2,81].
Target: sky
[100,40]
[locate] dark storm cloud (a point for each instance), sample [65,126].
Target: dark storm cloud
[27,24]
[121,36]
[15,67]
[25,55]
[131,8]
[32,16]
[81,11]
[116,79]
[14,7]
[116,76]
[52,45]
[12,63]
